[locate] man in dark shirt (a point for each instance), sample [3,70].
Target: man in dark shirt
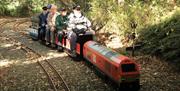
[42,23]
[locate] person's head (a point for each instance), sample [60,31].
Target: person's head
[53,8]
[44,9]
[49,7]
[77,11]
[77,8]
[63,11]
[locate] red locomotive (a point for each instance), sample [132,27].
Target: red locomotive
[119,68]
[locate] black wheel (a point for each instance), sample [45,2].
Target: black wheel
[34,39]
[60,48]
[136,85]
[101,74]
[76,57]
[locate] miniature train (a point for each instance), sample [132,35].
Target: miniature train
[119,68]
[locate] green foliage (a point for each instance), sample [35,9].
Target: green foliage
[158,23]
[22,8]
[117,17]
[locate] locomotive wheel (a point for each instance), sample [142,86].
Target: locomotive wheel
[34,39]
[100,73]
[136,85]
[53,46]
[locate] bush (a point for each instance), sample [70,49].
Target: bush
[163,39]
[158,23]
[22,8]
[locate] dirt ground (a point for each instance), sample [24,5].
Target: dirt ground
[20,72]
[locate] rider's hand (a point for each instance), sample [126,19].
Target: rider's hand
[89,29]
[64,30]
[43,25]
[46,26]
[52,28]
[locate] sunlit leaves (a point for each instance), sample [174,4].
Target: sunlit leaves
[22,7]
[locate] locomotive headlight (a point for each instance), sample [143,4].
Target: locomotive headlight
[123,79]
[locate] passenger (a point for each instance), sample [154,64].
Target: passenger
[78,24]
[47,36]
[51,23]
[61,25]
[72,13]
[43,23]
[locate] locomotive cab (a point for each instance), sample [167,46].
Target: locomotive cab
[81,40]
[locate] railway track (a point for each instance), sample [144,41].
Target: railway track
[57,85]
[19,22]
[2,24]
[56,81]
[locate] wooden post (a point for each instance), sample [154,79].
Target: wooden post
[133,36]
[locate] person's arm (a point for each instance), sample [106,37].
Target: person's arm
[88,23]
[49,20]
[71,23]
[54,19]
[40,20]
[65,22]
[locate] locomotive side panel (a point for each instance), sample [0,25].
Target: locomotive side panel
[117,67]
